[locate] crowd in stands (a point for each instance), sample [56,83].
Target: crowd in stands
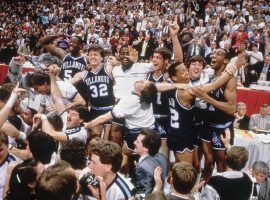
[118,85]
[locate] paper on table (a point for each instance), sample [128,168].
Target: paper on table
[262,137]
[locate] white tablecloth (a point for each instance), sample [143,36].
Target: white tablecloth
[258,151]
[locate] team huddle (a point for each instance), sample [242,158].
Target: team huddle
[190,107]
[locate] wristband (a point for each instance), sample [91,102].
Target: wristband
[11,100]
[231,69]
[22,136]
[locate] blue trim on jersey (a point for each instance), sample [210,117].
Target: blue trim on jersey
[102,108]
[221,125]
[73,96]
[8,159]
[178,101]
[123,187]
[113,115]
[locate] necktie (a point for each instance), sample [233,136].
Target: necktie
[195,50]
[264,73]
[255,192]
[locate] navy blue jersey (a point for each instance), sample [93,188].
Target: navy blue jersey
[214,115]
[100,86]
[71,66]
[161,106]
[182,118]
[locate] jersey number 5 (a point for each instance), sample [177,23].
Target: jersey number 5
[67,75]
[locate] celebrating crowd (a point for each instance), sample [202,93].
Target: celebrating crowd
[118,85]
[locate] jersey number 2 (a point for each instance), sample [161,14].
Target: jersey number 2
[174,118]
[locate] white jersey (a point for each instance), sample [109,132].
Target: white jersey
[204,78]
[120,189]
[136,114]
[76,133]
[124,80]
[3,171]
[68,92]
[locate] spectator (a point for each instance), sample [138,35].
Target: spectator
[106,159]
[23,180]
[231,184]
[260,172]
[57,182]
[241,119]
[5,159]
[260,121]
[147,145]
[260,70]
[24,49]
[38,141]
[183,179]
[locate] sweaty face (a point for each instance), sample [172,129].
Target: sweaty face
[139,148]
[260,177]
[158,62]
[27,116]
[195,70]
[73,119]
[41,89]
[123,56]
[94,58]
[242,110]
[182,74]
[218,58]
[74,46]
[96,166]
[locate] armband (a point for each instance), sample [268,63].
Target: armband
[11,100]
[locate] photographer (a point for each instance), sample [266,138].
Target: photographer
[106,159]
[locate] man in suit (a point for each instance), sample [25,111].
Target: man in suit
[260,70]
[146,48]
[241,119]
[261,187]
[147,146]
[261,120]
[195,49]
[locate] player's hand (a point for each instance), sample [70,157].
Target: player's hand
[133,54]
[241,60]
[18,91]
[226,138]
[54,70]
[157,178]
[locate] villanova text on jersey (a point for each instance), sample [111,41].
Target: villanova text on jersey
[100,86]
[71,66]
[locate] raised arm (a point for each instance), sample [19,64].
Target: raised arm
[99,120]
[229,106]
[225,76]
[47,128]
[46,43]
[177,49]
[55,91]
[165,86]
[4,112]
[77,77]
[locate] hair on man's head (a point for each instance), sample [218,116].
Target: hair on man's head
[237,158]
[149,93]
[184,177]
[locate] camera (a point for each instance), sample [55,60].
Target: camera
[89,179]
